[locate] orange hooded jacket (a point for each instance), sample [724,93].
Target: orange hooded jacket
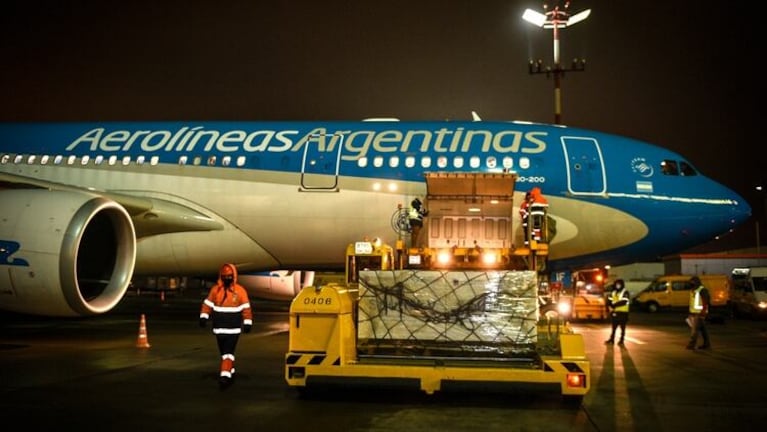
[228,307]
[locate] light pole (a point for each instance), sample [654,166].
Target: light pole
[555,19]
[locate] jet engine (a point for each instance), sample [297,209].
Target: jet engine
[63,253]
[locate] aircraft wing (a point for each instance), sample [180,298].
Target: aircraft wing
[150,216]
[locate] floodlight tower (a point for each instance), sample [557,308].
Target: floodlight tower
[555,19]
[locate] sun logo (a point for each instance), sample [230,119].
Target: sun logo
[640,166]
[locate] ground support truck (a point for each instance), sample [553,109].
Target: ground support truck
[396,317]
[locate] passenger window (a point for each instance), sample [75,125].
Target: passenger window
[508,162]
[524,162]
[491,162]
[474,162]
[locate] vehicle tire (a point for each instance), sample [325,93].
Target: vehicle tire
[652,307]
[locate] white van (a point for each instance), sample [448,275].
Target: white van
[748,296]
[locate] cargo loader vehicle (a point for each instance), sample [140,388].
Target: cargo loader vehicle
[463,307]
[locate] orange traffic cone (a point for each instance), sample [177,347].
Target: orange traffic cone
[143,340]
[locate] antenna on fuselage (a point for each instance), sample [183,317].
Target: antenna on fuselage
[475,116]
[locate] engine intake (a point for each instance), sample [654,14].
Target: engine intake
[67,253]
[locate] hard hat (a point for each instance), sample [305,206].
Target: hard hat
[227,270]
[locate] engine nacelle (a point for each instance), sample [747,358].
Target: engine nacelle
[63,253]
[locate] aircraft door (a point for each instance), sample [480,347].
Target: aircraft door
[585,166]
[321,163]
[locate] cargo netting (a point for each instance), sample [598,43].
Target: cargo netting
[472,314]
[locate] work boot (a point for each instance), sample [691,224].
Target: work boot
[224,382]
[690,346]
[620,342]
[609,341]
[705,346]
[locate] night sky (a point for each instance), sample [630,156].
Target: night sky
[682,75]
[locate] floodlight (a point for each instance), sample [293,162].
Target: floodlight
[535,18]
[580,16]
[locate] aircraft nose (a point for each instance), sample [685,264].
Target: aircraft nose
[740,210]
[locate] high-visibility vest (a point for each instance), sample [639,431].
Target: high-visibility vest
[696,300]
[415,213]
[618,296]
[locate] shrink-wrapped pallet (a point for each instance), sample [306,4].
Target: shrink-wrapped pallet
[447,312]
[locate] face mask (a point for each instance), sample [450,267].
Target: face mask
[227,280]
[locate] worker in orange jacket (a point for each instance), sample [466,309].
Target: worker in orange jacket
[524,215]
[228,306]
[538,207]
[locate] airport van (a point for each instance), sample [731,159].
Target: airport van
[673,291]
[748,297]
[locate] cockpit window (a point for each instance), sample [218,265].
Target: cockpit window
[686,169]
[672,167]
[669,167]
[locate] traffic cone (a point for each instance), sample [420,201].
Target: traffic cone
[143,340]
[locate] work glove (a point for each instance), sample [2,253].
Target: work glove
[246,328]
[203,322]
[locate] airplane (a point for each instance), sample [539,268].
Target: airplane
[86,206]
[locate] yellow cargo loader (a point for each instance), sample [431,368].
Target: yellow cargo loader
[462,306]
[431,326]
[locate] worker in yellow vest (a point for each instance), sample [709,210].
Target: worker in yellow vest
[618,305]
[700,300]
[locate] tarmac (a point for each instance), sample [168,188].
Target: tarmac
[98,373]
